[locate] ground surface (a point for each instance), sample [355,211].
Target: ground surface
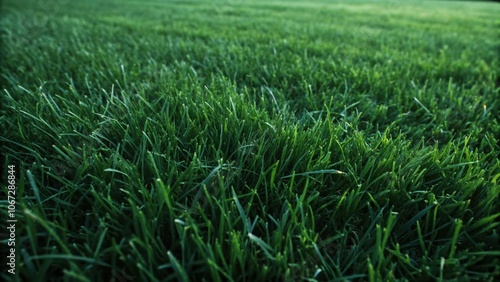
[251,140]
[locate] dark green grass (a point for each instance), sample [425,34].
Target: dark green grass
[253,140]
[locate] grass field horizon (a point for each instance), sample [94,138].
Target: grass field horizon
[251,140]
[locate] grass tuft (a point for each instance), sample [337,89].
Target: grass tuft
[252,140]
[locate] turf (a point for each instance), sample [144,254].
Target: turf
[252,140]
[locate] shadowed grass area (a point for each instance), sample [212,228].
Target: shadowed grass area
[252,140]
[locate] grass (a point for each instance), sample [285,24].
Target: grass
[252,140]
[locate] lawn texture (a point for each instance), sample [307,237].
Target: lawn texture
[252,140]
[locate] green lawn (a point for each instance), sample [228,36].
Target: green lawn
[251,140]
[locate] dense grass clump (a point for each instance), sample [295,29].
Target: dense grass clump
[252,140]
